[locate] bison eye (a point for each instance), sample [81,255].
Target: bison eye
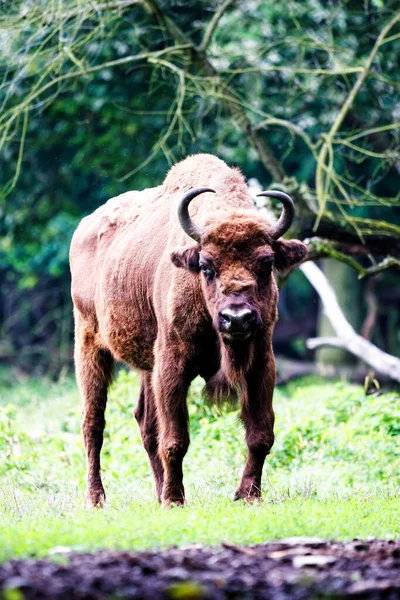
[207,270]
[265,264]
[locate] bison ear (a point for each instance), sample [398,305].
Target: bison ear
[187,258]
[288,254]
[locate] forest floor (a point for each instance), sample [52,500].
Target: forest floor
[292,569]
[333,474]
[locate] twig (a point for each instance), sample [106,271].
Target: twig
[239,549]
[119,4]
[386,263]
[294,70]
[8,189]
[291,127]
[367,132]
[213,24]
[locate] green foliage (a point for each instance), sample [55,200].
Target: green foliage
[80,112]
[334,470]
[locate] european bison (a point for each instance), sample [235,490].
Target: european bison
[178,294]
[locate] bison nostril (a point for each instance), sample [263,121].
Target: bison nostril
[226,318]
[248,318]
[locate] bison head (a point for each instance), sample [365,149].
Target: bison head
[235,256]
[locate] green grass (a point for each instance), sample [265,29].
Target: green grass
[334,471]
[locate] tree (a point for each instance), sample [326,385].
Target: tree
[303,95]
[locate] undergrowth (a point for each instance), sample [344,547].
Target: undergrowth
[334,470]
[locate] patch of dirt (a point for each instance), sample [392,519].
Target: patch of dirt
[291,569]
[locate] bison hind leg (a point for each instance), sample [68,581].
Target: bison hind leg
[94,370]
[219,391]
[146,416]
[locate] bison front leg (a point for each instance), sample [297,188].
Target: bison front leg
[170,385]
[258,418]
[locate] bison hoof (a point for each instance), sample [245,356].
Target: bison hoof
[166,503]
[173,497]
[249,497]
[95,499]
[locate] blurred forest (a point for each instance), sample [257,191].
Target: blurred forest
[101,97]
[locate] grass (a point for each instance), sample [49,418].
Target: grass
[334,471]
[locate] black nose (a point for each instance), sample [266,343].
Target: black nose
[234,321]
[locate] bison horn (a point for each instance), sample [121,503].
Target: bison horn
[183,213]
[287,215]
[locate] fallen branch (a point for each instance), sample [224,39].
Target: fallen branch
[346,338]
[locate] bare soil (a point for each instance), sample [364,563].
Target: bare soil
[291,569]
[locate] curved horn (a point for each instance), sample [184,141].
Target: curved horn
[287,215]
[183,213]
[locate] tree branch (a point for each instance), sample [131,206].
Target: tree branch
[321,248]
[254,137]
[290,127]
[378,238]
[321,183]
[213,24]
[384,265]
[347,229]
[347,338]
[94,7]
[293,70]
[26,104]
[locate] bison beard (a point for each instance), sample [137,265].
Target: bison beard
[143,293]
[229,383]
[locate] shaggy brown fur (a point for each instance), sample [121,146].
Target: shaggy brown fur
[133,304]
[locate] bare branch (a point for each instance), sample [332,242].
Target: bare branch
[314,343]
[291,127]
[343,252]
[169,24]
[213,24]
[294,70]
[321,185]
[8,189]
[12,113]
[95,7]
[161,142]
[386,263]
[267,157]
[324,249]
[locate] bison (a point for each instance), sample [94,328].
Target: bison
[177,293]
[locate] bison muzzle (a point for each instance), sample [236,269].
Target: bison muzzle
[177,281]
